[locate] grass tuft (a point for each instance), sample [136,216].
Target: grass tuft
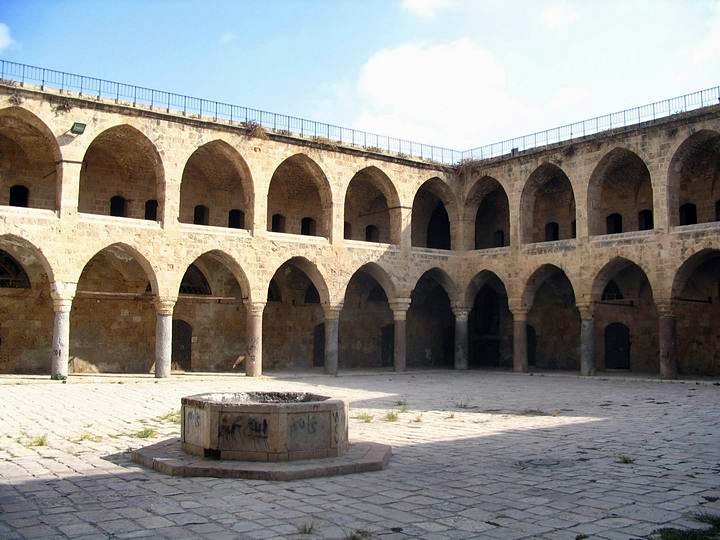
[364,417]
[87,436]
[627,460]
[172,417]
[391,416]
[144,433]
[306,528]
[41,440]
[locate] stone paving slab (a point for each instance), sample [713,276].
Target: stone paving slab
[168,458]
[475,455]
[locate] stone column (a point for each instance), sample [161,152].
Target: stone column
[399,309]
[520,359]
[253,362]
[405,229]
[461,337]
[62,295]
[667,340]
[587,340]
[332,336]
[163,336]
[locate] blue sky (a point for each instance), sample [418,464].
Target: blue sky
[458,73]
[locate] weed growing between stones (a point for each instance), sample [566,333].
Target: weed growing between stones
[364,417]
[172,417]
[391,416]
[145,433]
[691,534]
[306,528]
[627,460]
[86,436]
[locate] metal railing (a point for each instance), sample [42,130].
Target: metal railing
[628,117]
[138,96]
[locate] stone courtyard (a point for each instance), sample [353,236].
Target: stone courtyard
[476,454]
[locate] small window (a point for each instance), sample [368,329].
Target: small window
[311,295]
[307,226]
[274,292]
[499,238]
[12,275]
[236,219]
[688,214]
[201,215]
[194,282]
[645,220]
[151,207]
[347,231]
[612,291]
[614,224]
[19,196]
[552,232]
[372,234]
[118,206]
[278,223]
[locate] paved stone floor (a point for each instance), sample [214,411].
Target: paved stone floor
[476,455]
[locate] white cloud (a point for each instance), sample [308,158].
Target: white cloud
[427,9]
[227,37]
[452,94]
[558,15]
[5,38]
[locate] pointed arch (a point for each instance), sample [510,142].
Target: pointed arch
[379,274]
[371,200]
[121,161]
[313,274]
[689,266]
[300,189]
[694,177]
[434,215]
[487,212]
[27,253]
[217,177]
[609,272]
[481,279]
[547,197]
[124,253]
[538,278]
[620,185]
[31,160]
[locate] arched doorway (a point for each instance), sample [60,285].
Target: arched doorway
[112,321]
[488,207]
[293,319]
[182,345]
[430,323]
[431,222]
[366,321]
[617,346]
[489,323]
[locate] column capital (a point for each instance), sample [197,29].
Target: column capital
[461,313]
[586,309]
[399,307]
[255,309]
[332,312]
[165,305]
[519,313]
[665,308]
[62,294]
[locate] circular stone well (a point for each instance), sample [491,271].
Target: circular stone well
[264,426]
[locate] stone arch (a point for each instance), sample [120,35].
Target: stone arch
[489,322]
[620,184]
[218,322]
[225,260]
[371,200]
[29,157]
[293,329]
[487,212]
[694,176]
[547,197]
[121,161]
[430,321]
[112,321]
[216,176]
[124,252]
[26,313]
[633,308]
[549,296]
[300,189]
[696,306]
[366,325]
[434,215]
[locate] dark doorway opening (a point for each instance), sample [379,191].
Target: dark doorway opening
[319,345]
[531,345]
[617,346]
[181,345]
[387,345]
